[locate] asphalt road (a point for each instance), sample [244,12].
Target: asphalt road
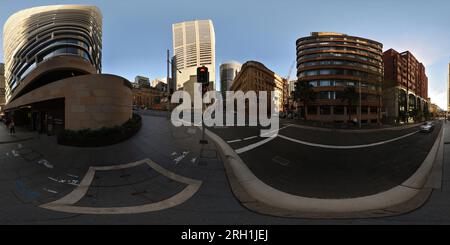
[321,172]
[26,182]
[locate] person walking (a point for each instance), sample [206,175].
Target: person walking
[12,129]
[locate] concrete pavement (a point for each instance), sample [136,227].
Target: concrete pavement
[25,183]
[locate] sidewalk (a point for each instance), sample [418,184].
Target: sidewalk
[20,135]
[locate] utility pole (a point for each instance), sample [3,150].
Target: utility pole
[168,84]
[360,104]
[203,79]
[407,88]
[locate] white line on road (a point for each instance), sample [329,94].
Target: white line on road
[67,203]
[181,157]
[345,146]
[51,191]
[234,141]
[253,146]
[239,140]
[262,142]
[276,130]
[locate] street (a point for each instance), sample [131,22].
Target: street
[127,189]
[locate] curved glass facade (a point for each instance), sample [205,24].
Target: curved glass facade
[330,62]
[228,72]
[35,35]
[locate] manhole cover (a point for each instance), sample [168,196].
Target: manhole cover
[191,131]
[280,160]
[208,154]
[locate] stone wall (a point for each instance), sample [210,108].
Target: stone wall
[91,101]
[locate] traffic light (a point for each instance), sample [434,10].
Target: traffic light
[203,78]
[202,75]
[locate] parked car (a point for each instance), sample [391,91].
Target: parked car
[427,127]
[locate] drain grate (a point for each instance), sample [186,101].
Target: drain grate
[139,193]
[281,161]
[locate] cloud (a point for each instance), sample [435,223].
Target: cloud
[439,98]
[424,51]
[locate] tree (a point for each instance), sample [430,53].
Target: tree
[304,93]
[350,96]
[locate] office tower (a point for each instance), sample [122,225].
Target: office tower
[193,46]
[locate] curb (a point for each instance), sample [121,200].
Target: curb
[17,140]
[262,198]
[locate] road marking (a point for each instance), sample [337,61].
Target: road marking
[345,146]
[67,203]
[28,193]
[73,176]
[234,141]
[50,191]
[15,153]
[63,181]
[262,135]
[45,163]
[262,142]
[181,157]
[275,130]
[253,146]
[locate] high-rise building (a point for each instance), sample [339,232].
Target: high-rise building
[291,87]
[52,71]
[228,72]
[142,82]
[331,63]
[193,46]
[255,76]
[156,81]
[448,89]
[404,75]
[2,86]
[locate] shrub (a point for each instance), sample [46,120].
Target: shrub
[103,136]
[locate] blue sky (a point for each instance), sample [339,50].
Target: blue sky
[136,33]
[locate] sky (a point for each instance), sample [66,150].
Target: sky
[137,33]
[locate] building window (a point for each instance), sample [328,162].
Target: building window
[364,110]
[338,110]
[373,110]
[312,110]
[325,110]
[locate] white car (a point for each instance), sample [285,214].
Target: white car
[427,127]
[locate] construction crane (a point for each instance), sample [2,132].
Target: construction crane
[290,72]
[288,77]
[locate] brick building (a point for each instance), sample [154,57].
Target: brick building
[254,76]
[404,75]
